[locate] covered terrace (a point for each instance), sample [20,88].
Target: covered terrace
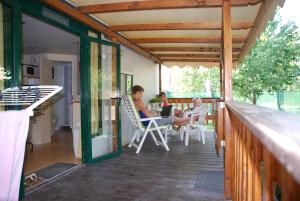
[188,32]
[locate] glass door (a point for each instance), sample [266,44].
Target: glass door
[104,73]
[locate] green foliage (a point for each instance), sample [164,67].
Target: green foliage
[156,99]
[272,64]
[190,80]
[214,78]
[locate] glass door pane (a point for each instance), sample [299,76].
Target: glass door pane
[104,75]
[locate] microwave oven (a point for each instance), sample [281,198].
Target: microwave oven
[30,70]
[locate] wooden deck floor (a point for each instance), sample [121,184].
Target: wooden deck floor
[154,174]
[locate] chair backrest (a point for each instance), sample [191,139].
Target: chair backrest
[203,110]
[200,112]
[132,113]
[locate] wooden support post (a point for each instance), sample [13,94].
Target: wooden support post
[221,81]
[159,77]
[227,61]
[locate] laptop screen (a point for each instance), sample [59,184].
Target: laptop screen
[166,111]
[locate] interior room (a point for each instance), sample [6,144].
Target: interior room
[51,57]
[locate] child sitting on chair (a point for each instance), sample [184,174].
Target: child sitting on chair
[137,93]
[197,102]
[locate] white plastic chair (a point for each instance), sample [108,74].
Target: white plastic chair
[196,126]
[137,123]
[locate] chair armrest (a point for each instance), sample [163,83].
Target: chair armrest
[187,113]
[150,118]
[195,114]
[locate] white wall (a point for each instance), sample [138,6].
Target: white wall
[145,73]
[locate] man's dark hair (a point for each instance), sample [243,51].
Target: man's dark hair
[162,94]
[137,88]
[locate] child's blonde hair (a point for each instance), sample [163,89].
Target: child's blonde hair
[197,102]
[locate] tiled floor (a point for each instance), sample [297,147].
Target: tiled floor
[154,174]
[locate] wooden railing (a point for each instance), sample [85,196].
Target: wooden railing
[264,154]
[187,103]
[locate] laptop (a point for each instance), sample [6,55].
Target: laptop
[166,111]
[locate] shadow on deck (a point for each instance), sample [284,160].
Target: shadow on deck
[154,174]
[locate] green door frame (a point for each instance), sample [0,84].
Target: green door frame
[43,12]
[12,28]
[88,116]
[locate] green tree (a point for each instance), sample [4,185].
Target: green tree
[214,79]
[272,64]
[192,79]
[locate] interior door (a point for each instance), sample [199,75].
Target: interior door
[104,74]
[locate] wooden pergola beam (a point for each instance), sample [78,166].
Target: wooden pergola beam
[215,56]
[161,4]
[234,59]
[185,40]
[190,55]
[61,6]
[188,49]
[190,60]
[179,26]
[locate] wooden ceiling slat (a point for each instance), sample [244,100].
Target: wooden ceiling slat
[188,49]
[189,60]
[192,55]
[61,6]
[185,40]
[161,4]
[189,55]
[192,60]
[179,26]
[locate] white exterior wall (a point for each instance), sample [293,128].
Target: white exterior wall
[145,73]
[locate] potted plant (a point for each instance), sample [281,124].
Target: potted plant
[155,101]
[4,75]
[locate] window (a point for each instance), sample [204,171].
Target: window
[126,83]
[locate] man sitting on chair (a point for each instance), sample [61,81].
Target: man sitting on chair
[137,93]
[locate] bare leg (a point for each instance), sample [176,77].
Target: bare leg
[181,121]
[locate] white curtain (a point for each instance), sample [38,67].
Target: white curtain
[1,44]
[13,133]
